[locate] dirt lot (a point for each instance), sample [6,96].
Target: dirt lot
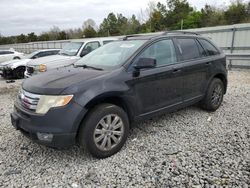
[188,148]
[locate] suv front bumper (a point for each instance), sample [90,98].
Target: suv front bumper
[57,128]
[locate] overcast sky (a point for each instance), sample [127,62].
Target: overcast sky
[25,16]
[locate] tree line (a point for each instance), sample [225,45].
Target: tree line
[173,15]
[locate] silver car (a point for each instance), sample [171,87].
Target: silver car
[68,55]
[15,68]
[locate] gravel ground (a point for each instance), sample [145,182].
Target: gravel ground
[188,148]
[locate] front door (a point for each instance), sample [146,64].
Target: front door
[156,88]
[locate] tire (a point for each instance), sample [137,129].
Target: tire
[96,133]
[19,72]
[214,95]
[16,58]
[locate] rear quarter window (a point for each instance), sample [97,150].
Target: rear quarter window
[208,47]
[188,48]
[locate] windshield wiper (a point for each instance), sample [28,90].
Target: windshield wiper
[88,67]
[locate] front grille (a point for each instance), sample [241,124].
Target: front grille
[29,100]
[30,70]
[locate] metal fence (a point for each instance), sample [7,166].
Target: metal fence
[234,40]
[33,46]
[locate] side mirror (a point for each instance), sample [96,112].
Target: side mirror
[35,57]
[144,63]
[84,52]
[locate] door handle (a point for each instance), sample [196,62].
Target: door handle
[176,71]
[208,63]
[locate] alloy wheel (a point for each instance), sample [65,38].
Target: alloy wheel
[108,132]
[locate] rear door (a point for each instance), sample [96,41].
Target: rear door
[193,68]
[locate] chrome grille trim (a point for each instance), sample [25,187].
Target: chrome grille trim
[29,100]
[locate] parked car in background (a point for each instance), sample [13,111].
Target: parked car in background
[69,54]
[16,68]
[94,102]
[6,55]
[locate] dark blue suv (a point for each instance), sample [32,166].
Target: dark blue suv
[94,101]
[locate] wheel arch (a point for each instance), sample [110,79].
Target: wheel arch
[16,57]
[112,98]
[223,78]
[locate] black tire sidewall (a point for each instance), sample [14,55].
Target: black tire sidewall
[208,103]
[87,128]
[19,72]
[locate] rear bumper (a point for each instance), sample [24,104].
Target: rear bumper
[62,129]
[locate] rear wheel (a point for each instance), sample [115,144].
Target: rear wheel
[104,130]
[19,72]
[214,95]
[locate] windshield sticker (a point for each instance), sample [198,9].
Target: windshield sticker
[127,45]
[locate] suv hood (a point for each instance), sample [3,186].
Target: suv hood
[52,59]
[56,81]
[9,62]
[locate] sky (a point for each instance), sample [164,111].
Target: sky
[25,16]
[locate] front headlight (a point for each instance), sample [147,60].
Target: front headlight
[42,68]
[49,101]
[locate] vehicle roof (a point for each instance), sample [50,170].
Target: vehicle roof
[95,39]
[8,51]
[45,50]
[161,35]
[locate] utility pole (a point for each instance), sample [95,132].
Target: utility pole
[181,24]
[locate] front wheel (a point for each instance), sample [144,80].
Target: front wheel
[104,131]
[19,72]
[214,95]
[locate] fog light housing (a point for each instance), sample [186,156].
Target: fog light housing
[45,137]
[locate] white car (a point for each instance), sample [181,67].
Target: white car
[68,55]
[15,68]
[6,55]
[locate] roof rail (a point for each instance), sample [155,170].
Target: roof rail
[180,32]
[135,35]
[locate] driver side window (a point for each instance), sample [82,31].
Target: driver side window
[163,51]
[92,46]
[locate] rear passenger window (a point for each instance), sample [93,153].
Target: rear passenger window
[210,49]
[188,49]
[163,51]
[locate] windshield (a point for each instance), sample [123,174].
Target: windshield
[111,55]
[29,56]
[71,49]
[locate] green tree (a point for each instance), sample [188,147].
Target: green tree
[21,38]
[237,12]
[62,35]
[193,20]
[32,37]
[89,32]
[212,16]
[177,10]
[109,26]
[43,37]
[134,25]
